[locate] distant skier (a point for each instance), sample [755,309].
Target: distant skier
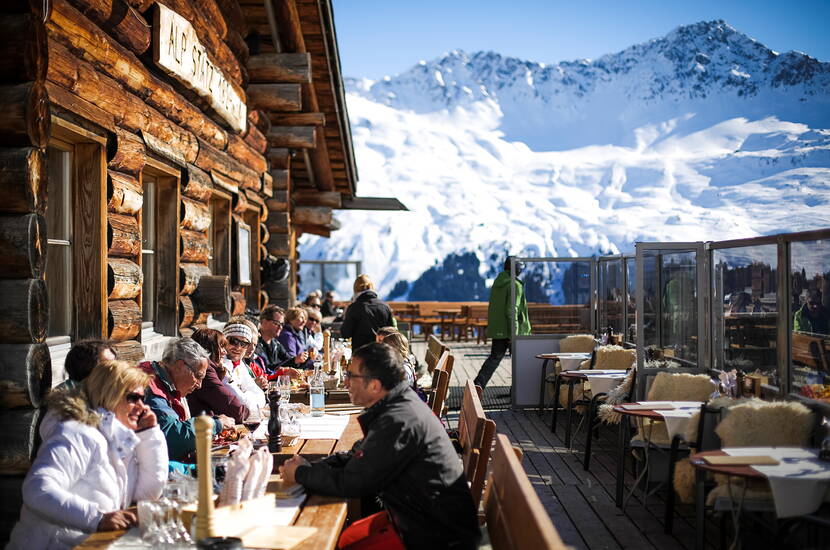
[499,317]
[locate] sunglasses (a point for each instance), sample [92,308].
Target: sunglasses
[236,342]
[278,323]
[313,321]
[348,375]
[133,398]
[195,372]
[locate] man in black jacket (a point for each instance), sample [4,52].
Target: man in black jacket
[366,314]
[405,458]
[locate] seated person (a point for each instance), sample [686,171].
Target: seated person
[214,396]
[327,308]
[812,316]
[81,359]
[275,357]
[313,329]
[181,370]
[405,458]
[103,452]
[292,337]
[238,375]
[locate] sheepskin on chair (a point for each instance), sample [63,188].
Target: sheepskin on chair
[673,387]
[577,343]
[616,396]
[607,357]
[759,423]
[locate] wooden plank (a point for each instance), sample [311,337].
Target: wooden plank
[280,67]
[328,514]
[298,119]
[293,137]
[89,253]
[275,97]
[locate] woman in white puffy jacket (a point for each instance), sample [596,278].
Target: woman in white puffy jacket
[102,449]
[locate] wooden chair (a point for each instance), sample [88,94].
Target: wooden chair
[475,434]
[440,383]
[515,516]
[434,350]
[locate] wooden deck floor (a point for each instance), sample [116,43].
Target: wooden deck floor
[581,504]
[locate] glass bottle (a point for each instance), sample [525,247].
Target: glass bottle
[317,391]
[274,424]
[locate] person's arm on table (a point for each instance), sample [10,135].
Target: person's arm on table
[180,434]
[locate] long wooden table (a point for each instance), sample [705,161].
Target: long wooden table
[327,514]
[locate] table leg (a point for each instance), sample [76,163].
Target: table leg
[700,509]
[542,387]
[622,440]
[570,413]
[557,385]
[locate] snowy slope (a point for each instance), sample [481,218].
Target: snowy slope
[703,134]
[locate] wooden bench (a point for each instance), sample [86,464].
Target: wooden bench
[477,322]
[516,518]
[475,435]
[441,383]
[434,350]
[549,319]
[811,350]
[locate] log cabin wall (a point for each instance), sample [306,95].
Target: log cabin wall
[144,146]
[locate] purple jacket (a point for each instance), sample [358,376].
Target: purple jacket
[214,397]
[294,344]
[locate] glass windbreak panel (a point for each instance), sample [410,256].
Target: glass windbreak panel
[744,294]
[810,310]
[610,297]
[558,296]
[631,300]
[678,309]
[651,298]
[310,279]
[339,278]
[59,248]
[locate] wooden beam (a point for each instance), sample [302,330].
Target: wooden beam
[331,199]
[373,203]
[275,97]
[293,137]
[279,157]
[323,231]
[280,67]
[123,22]
[298,119]
[312,215]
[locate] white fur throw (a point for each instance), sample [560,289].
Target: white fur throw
[615,397]
[577,343]
[766,423]
[615,357]
[681,387]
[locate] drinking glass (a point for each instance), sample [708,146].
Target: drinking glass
[284,381]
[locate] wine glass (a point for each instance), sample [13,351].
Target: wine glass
[284,382]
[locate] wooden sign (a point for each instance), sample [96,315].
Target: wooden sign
[177,50]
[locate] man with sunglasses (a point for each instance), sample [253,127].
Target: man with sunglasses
[405,458]
[180,371]
[812,316]
[269,348]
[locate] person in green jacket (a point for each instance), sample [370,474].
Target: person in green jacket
[812,316]
[499,318]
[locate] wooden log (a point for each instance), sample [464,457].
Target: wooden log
[279,157]
[124,193]
[201,319]
[259,119]
[195,215]
[263,299]
[240,50]
[123,22]
[125,152]
[22,246]
[263,251]
[211,159]
[92,45]
[238,303]
[267,185]
[278,222]
[239,149]
[24,118]
[194,246]
[123,319]
[24,311]
[280,178]
[130,351]
[256,140]
[279,202]
[123,235]
[22,181]
[124,279]
[196,183]
[27,6]
[80,107]
[141,5]
[332,199]
[312,215]
[293,137]
[213,295]
[186,311]
[190,275]
[23,52]
[240,203]
[319,230]
[25,375]
[279,244]
[275,97]
[280,67]
[254,197]
[129,111]
[234,16]
[19,440]
[298,119]
[264,234]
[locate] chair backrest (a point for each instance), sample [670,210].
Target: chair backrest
[441,381]
[614,357]
[434,350]
[577,343]
[767,423]
[669,386]
[706,438]
[475,434]
[515,516]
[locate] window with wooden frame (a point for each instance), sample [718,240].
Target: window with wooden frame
[251,219]
[219,236]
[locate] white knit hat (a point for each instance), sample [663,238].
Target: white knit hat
[238,330]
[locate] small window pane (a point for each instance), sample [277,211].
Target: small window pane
[59,249]
[148,245]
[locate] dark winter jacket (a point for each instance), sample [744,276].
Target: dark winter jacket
[407,460]
[273,354]
[215,397]
[366,314]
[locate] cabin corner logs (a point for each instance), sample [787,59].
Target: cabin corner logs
[86,68]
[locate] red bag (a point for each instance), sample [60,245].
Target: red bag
[375,532]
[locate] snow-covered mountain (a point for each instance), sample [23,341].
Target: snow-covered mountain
[703,134]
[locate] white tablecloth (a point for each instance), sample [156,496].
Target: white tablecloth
[327,426]
[604,381]
[677,417]
[572,362]
[799,483]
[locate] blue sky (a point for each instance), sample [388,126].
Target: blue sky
[378,38]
